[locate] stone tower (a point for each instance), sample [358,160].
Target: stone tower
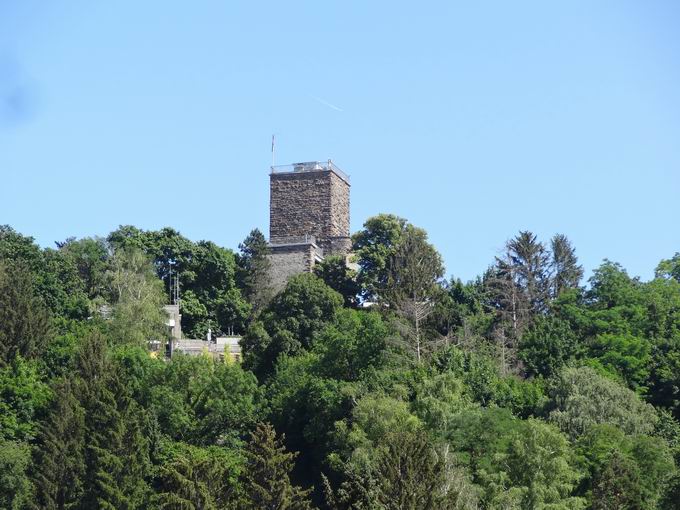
[308,217]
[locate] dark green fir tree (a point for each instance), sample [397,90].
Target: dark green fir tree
[266,479]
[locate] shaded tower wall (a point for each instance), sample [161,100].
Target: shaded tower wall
[310,203]
[291,259]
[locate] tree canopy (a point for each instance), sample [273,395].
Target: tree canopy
[387,386]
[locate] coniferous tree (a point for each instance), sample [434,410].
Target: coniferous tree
[254,268]
[195,478]
[566,271]
[59,464]
[530,269]
[618,485]
[517,289]
[266,481]
[411,475]
[518,285]
[188,484]
[116,451]
[104,467]
[405,473]
[24,322]
[510,309]
[503,297]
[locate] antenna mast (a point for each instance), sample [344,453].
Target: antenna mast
[272,152]
[174,287]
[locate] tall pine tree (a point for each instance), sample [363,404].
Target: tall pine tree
[566,271]
[116,451]
[59,463]
[530,269]
[266,481]
[254,265]
[24,321]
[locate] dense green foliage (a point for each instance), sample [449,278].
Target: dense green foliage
[382,388]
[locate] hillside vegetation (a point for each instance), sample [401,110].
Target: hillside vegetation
[389,387]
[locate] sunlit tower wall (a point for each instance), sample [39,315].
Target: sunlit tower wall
[308,217]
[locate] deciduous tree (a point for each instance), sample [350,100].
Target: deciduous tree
[137,298]
[582,398]
[374,245]
[289,322]
[335,273]
[14,483]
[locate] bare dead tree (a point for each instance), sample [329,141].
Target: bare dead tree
[412,284]
[511,308]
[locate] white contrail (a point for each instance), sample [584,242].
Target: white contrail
[327,104]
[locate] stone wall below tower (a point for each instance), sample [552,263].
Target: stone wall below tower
[287,260]
[335,245]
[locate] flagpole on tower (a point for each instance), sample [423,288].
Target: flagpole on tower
[272,152]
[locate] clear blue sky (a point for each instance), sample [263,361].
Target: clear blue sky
[471,119]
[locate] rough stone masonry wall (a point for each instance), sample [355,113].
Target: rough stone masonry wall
[315,203]
[339,220]
[288,260]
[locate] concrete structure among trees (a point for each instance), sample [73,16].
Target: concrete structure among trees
[174,322]
[309,217]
